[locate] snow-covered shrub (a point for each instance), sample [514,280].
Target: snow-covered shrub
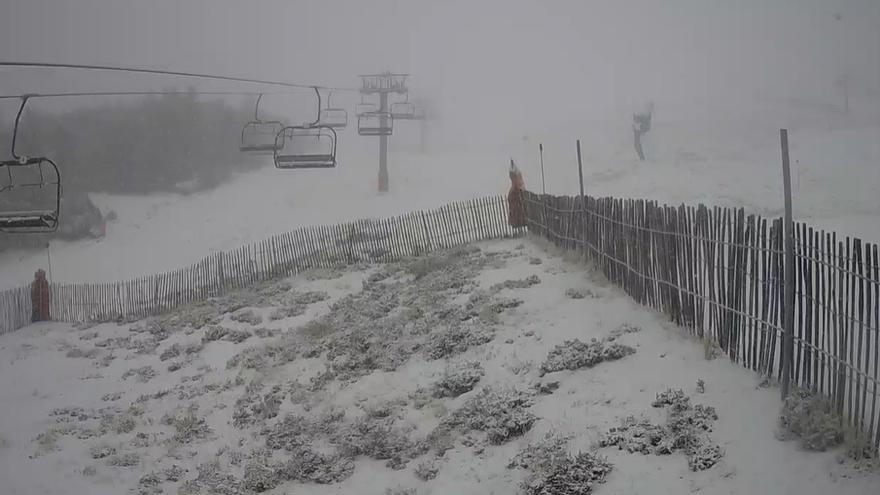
[455,340]
[291,433]
[143,374]
[171,352]
[686,430]
[259,476]
[76,352]
[101,451]
[501,414]
[173,473]
[812,419]
[574,354]
[541,456]
[253,407]
[377,438]
[213,479]
[421,267]
[306,465]
[574,293]
[524,283]
[126,459]
[458,379]
[569,476]
[427,470]
[189,427]
[247,316]
[622,330]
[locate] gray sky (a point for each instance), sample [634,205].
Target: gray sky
[503,65]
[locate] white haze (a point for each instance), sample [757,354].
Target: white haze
[494,70]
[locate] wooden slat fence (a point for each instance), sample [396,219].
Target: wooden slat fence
[719,273]
[374,240]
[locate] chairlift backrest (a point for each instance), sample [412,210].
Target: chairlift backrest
[336,118]
[258,137]
[376,124]
[298,147]
[364,108]
[403,110]
[30,195]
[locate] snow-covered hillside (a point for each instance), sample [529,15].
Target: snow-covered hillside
[456,373]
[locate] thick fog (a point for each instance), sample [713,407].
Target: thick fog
[493,70]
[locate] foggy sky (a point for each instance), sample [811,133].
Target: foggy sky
[492,66]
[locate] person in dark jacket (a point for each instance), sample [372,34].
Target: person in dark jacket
[516,211]
[641,125]
[40,297]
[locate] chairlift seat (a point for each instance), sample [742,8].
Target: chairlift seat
[306,161]
[34,219]
[257,148]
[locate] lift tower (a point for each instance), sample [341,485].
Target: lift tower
[383,84]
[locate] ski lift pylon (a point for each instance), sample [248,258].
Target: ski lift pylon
[258,136]
[30,201]
[376,124]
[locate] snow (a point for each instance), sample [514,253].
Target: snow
[36,376]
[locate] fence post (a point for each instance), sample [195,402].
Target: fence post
[583,200]
[543,192]
[788,248]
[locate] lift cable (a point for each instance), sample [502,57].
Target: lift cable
[142,70]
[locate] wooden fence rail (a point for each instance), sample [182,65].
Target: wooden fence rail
[279,256]
[718,272]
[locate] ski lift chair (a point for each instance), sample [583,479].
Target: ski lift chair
[364,108]
[298,147]
[336,118]
[258,137]
[376,124]
[403,110]
[30,195]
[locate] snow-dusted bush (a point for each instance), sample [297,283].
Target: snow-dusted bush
[686,430]
[455,340]
[427,470]
[247,316]
[259,476]
[253,407]
[76,352]
[377,438]
[524,283]
[126,459]
[574,354]
[575,293]
[501,414]
[143,374]
[458,379]
[575,475]
[812,419]
[541,456]
[189,427]
[306,465]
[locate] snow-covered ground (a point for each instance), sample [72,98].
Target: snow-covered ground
[721,158]
[341,383]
